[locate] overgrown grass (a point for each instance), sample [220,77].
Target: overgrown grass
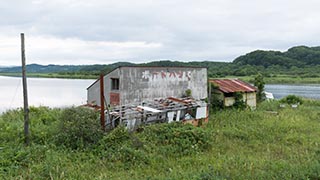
[234,145]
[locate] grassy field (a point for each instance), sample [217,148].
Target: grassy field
[268,143]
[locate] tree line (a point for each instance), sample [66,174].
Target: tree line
[301,61]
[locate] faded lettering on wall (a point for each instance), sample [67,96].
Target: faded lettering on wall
[166,75]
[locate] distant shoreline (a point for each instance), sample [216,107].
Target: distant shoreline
[51,75]
[280,79]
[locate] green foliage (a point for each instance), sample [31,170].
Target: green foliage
[270,64]
[307,55]
[36,68]
[42,119]
[79,127]
[266,59]
[234,145]
[269,106]
[239,103]
[292,99]
[259,83]
[176,139]
[300,61]
[209,174]
[216,103]
[188,93]
[121,146]
[168,140]
[11,122]
[296,56]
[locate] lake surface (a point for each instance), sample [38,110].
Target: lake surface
[305,90]
[68,92]
[43,91]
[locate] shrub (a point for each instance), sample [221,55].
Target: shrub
[177,139]
[79,128]
[43,122]
[188,93]
[216,101]
[239,103]
[169,140]
[120,145]
[259,83]
[292,99]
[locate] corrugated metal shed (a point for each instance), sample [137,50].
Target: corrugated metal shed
[233,85]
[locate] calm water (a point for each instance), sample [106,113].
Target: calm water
[43,91]
[304,90]
[68,92]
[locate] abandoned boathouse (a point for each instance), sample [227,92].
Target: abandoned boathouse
[136,84]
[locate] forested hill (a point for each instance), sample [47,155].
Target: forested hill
[299,56]
[105,68]
[36,68]
[298,61]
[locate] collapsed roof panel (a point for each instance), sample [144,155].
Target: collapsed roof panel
[160,110]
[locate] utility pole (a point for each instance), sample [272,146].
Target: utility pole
[209,96]
[25,93]
[102,115]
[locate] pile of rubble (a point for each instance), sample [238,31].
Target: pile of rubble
[186,110]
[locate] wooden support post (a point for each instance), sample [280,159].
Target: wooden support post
[209,96]
[25,93]
[102,115]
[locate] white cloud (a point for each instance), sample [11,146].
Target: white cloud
[85,32]
[51,50]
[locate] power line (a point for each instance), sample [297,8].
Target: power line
[15,94]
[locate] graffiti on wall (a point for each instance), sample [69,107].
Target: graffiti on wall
[166,75]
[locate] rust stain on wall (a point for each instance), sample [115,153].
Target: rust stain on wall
[114,98]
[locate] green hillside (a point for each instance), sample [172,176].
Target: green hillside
[299,56]
[297,62]
[36,68]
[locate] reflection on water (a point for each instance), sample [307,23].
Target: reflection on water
[43,91]
[68,92]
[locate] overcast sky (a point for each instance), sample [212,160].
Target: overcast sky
[107,31]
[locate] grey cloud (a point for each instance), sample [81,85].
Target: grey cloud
[186,30]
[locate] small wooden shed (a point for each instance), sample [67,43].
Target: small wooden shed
[227,88]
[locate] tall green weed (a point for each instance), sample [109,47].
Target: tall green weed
[78,128]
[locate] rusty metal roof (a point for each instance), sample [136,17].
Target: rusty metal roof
[233,85]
